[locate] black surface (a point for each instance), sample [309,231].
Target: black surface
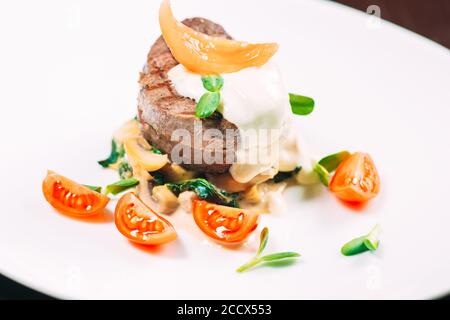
[428,18]
[12,290]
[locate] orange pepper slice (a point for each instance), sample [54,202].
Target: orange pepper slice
[204,54]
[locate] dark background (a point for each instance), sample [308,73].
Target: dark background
[430,18]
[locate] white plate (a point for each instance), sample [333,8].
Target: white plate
[68,79]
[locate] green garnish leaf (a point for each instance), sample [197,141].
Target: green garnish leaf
[121,186]
[248,265]
[371,240]
[210,101]
[333,161]
[281,176]
[117,152]
[155,150]
[264,237]
[207,104]
[362,244]
[355,246]
[204,190]
[268,258]
[323,173]
[301,105]
[279,256]
[93,188]
[125,170]
[212,83]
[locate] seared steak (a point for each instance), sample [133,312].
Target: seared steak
[162,110]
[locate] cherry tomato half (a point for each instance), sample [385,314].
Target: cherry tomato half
[356,179]
[140,224]
[223,224]
[72,198]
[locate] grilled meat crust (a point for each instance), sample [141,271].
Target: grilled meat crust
[162,110]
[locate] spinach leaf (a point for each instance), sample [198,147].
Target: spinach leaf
[281,176]
[205,190]
[125,170]
[158,178]
[117,152]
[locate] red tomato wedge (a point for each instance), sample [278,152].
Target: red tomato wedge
[140,224]
[356,179]
[204,54]
[72,198]
[223,224]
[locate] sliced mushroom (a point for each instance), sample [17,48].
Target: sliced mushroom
[186,200]
[138,149]
[166,201]
[176,173]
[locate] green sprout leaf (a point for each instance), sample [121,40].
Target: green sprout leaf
[279,256]
[323,173]
[210,101]
[248,265]
[117,152]
[93,188]
[371,240]
[301,105]
[155,150]
[121,186]
[362,244]
[264,237]
[268,258]
[212,83]
[355,246]
[207,104]
[332,162]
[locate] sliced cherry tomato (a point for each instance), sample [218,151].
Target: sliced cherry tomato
[223,224]
[72,198]
[356,179]
[140,224]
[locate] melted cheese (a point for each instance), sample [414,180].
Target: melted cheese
[257,102]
